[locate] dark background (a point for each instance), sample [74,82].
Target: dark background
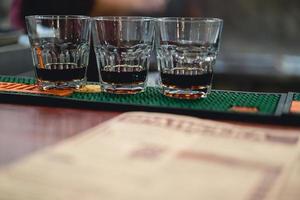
[259,50]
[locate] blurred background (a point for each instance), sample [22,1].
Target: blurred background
[260,43]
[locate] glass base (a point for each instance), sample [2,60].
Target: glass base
[183,93]
[123,89]
[74,84]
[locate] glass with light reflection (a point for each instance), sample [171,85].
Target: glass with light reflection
[60,50]
[186,54]
[123,47]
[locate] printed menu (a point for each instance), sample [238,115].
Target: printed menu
[148,156]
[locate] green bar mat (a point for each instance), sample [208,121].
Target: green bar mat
[296,97]
[218,103]
[292,100]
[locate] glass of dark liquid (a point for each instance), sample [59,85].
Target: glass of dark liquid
[60,50]
[186,54]
[123,47]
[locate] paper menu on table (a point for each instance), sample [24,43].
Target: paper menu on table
[157,156]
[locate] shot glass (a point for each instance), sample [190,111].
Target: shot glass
[60,50]
[186,55]
[123,46]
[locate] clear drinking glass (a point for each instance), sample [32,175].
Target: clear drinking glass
[186,55]
[60,50]
[123,46]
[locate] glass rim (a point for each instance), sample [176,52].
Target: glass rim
[191,19]
[123,18]
[57,17]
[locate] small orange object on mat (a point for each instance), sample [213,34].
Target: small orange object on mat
[295,108]
[244,109]
[33,89]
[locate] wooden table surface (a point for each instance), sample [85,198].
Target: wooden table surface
[25,129]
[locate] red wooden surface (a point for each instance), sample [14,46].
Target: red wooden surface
[24,129]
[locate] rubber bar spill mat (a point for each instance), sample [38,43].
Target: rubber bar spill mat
[296,97]
[292,105]
[219,104]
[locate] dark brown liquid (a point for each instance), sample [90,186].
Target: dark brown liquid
[60,74]
[186,81]
[117,77]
